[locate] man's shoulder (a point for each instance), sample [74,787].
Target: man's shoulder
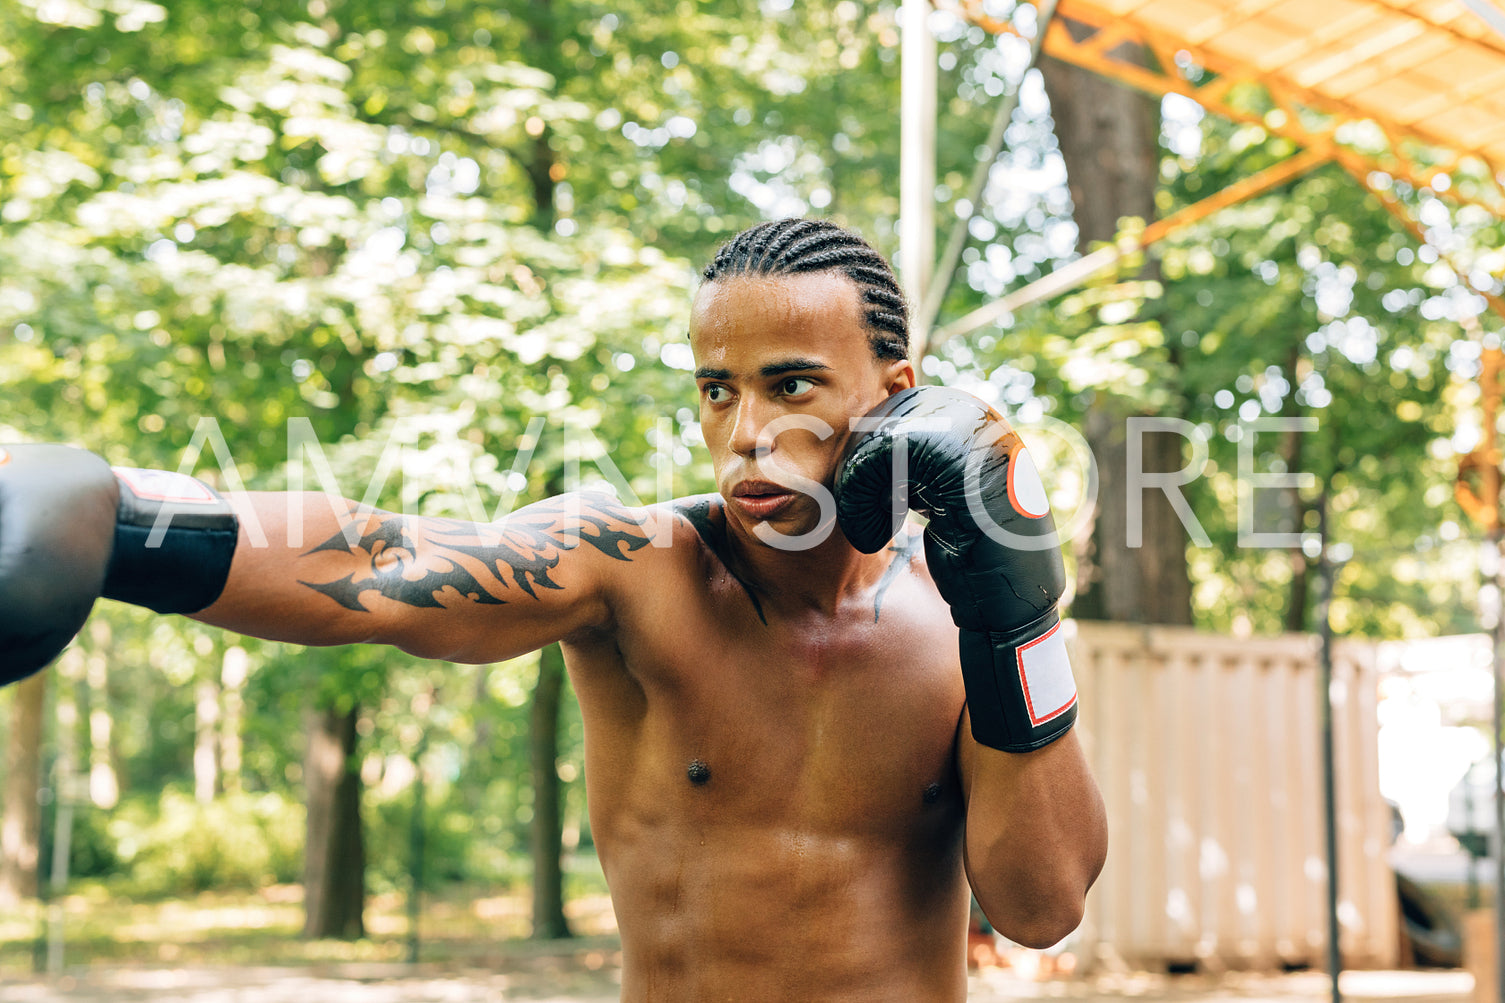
[607,513]
[677,530]
[703,514]
[676,547]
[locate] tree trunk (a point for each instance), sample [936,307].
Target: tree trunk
[539,163]
[334,869]
[20,826]
[1145,584]
[1110,143]
[547,830]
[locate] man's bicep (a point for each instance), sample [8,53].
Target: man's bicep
[445,588]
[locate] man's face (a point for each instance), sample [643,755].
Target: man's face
[783,364]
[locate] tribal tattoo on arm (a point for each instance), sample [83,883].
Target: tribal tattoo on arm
[438,563]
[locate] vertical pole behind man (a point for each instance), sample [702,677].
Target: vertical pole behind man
[1325,574]
[1497,844]
[917,109]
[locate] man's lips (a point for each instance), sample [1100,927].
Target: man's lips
[758,489]
[761,499]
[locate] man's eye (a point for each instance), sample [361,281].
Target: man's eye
[715,393]
[796,385]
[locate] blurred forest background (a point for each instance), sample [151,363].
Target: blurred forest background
[321,228]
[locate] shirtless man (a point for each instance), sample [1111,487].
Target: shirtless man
[786,787]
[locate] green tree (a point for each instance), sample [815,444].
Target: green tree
[422,230]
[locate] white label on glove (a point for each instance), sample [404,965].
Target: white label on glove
[1026,490]
[1045,674]
[165,486]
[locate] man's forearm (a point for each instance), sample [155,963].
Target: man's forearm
[315,569]
[268,593]
[318,569]
[1036,837]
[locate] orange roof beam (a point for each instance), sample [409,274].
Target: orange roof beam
[1076,272]
[1292,94]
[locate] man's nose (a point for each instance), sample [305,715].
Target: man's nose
[752,417]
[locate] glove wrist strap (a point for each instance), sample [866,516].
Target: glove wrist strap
[174,539]
[1020,690]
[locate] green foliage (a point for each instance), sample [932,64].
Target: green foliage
[175,845]
[92,850]
[458,848]
[410,230]
[1307,302]
[1313,302]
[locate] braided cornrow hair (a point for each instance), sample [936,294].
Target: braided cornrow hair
[793,246]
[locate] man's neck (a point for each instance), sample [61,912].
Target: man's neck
[819,580]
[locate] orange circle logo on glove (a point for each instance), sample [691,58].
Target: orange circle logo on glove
[1026,490]
[4,457]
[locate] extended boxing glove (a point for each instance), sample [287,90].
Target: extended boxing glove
[991,546]
[73,529]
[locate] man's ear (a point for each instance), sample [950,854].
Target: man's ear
[898,375]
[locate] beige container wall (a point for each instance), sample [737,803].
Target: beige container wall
[1207,750]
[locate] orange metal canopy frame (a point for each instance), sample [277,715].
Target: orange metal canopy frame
[1413,88]
[1410,89]
[1389,89]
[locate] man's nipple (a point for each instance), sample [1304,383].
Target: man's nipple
[698,772]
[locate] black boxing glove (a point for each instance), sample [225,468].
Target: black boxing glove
[57,523]
[72,529]
[991,546]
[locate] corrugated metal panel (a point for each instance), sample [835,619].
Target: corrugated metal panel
[1207,752]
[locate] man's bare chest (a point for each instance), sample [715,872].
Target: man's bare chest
[845,724]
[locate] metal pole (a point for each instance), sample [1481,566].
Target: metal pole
[1473,859]
[64,787]
[1498,842]
[917,111]
[1483,504]
[62,848]
[1326,574]
[416,851]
